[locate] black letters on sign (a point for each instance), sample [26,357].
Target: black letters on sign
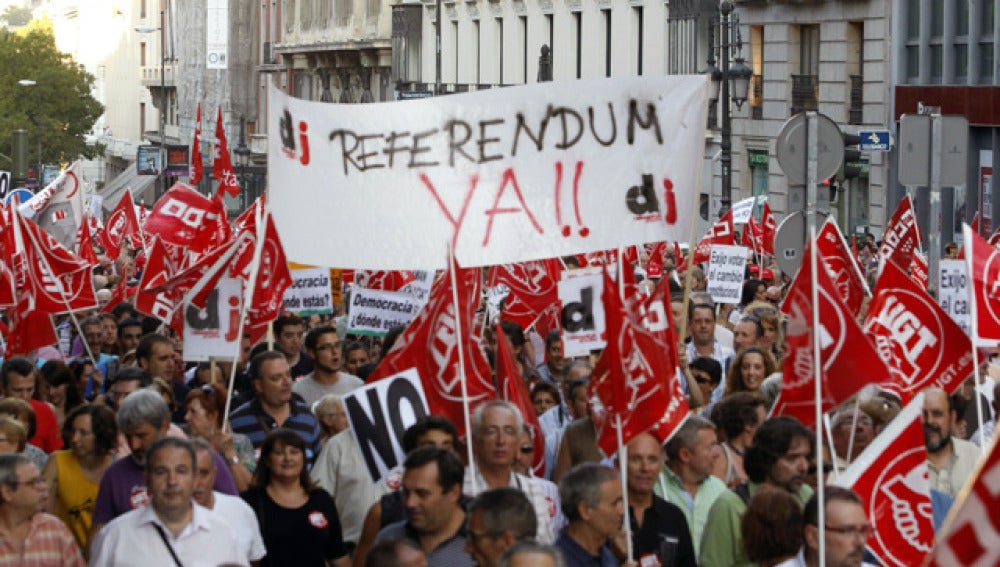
[207,320]
[371,432]
[641,199]
[579,315]
[399,392]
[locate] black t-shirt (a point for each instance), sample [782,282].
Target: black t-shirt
[664,533]
[303,366]
[305,536]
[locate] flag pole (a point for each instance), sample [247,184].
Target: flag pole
[829,440]
[974,324]
[623,471]
[460,339]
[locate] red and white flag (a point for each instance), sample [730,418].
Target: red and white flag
[58,280]
[983,263]
[634,377]
[384,280]
[197,165]
[222,167]
[753,235]
[160,305]
[890,476]
[843,270]
[532,292]
[84,243]
[122,223]
[920,344]
[430,345]
[770,227]
[849,361]
[720,233]
[902,235]
[511,387]
[918,271]
[183,217]
[272,276]
[58,208]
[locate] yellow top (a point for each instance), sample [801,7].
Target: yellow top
[75,495]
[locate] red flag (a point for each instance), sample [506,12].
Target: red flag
[58,280]
[84,243]
[122,223]
[183,217]
[632,379]
[272,278]
[196,282]
[849,360]
[918,271]
[197,167]
[720,233]
[983,264]
[385,280]
[970,537]
[532,290]
[902,235]
[994,239]
[430,345]
[222,167]
[120,294]
[8,291]
[847,279]
[658,319]
[679,258]
[160,305]
[890,476]
[770,227]
[511,387]
[753,235]
[920,343]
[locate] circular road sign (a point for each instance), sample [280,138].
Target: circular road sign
[791,148]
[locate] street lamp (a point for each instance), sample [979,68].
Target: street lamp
[735,78]
[38,125]
[242,152]
[163,94]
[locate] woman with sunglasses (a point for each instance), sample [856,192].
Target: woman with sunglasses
[203,411]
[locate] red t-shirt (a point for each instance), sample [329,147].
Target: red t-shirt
[47,436]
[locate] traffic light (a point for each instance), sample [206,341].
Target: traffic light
[851,166]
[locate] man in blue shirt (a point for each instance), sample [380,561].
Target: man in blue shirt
[591,497]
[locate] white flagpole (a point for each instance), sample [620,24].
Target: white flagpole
[974,323]
[829,440]
[460,338]
[854,425]
[623,470]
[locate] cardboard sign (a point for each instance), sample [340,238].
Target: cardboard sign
[582,315]
[725,273]
[500,175]
[336,285]
[953,292]
[374,312]
[309,293]
[379,414]
[214,331]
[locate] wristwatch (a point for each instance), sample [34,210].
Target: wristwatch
[235,459]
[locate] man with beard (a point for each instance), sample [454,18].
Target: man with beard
[778,456]
[846,530]
[949,460]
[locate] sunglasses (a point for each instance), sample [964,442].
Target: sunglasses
[527,449]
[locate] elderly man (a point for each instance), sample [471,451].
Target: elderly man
[498,519]
[143,418]
[172,529]
[592,502]
[27,535]
[950,460]
[432,491]
[686,480]
[239,516]
[847,529]
[496,438]
[778,456]
[532,554]
[847,440]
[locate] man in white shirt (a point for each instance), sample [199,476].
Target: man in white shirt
[237,514]
[324,346]
[172,529]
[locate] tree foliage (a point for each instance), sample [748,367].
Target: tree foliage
[60,104]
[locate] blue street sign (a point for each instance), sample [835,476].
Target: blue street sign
[874,141]
[21,195]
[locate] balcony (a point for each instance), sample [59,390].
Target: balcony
[805,90]
[855,114]
[757,97]
[150,74]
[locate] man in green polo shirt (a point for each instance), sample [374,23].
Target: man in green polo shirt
[779,456]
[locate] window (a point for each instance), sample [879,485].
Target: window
[142,8]
[499,48]
[912,8]
[142,54]
[757,65]
[142,120]
[961,36]
[606,16]
[637,37]
[855,69]
[937,40]
[578,27]
[805,85]
[522,31]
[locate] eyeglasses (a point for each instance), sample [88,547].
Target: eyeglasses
[864,531]
[527,449]
[827,469]
[765,311]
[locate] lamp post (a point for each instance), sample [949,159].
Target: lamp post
[163,96]
[242,152]
[38,125]
[735,77]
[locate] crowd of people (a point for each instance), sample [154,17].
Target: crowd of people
[116,451]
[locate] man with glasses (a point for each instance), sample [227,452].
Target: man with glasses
[846,529]
[498,519]
[327,377]
[27,535]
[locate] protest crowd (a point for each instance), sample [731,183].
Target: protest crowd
[688,439]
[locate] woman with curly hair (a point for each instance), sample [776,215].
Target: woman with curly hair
[749,369]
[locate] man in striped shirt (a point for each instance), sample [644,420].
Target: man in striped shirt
[274,407]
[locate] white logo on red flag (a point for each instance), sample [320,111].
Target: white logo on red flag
[720,233]
[847,280]
[902,235]
[983,261]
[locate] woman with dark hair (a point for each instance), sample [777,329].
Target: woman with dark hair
[772,526]
[59,388]
[298,520]
[753,290]
[737,416]
[73,475]
[203,410]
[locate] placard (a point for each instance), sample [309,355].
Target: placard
[726,268]
[582,313]
[953,292]
[374,312]
[309,293]
[214,331]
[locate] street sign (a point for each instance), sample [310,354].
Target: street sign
[4,184]
[790,242]
[19,195]
[915,149]
[791,148]
[874,141]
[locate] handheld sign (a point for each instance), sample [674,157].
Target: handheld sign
[213,332]
[582,311]
[953,292]
[310,292]
[379,414]
[725,273]
[374,312]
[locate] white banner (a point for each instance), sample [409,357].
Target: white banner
[953,294]
[59,207]
[583,320]
[725,273]
[743,209]
[379,414]
[213,332]
[502,175]
[374,312]
[217,34]
[309,293]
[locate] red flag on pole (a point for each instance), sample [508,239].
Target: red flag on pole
[753,235]
[222,167]
[902,235]
[720,233]
[159,269]
[532,291]
[847,279]
[890,476]
[183,217]
[849,360]
[197,165]
[920,344]
[429,345]
[511,387]
[59,281]
[122,223]
[918,271]
[983,263]
[770,227]
[84,243]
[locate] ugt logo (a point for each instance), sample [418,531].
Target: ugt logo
[287,131]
